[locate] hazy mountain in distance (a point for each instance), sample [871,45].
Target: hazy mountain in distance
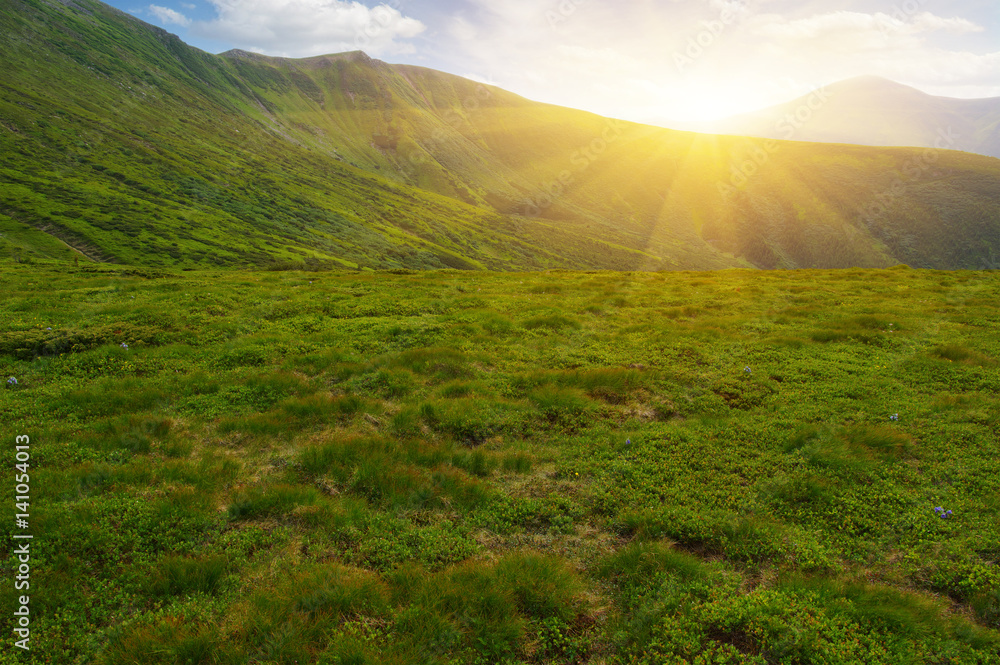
[869,110]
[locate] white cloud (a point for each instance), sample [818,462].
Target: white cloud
[302,28]
[169,16]
[840,31]
[838,45]
[853,30]
[927,22]
[618,58]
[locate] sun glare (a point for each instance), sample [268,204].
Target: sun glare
[711,101]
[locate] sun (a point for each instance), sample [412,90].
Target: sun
[709,101]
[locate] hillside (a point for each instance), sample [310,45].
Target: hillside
[132,147]
[561,468]
[869,110]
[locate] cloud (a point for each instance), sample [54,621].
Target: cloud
[302,28]
[619,58]
[841,31]
[927,22]
[169,16]
[905,48]
[848,31]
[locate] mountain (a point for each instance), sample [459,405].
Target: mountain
[128,145]
[869,110]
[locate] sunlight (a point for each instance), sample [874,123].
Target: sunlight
[713,100]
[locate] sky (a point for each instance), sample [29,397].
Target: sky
[668,62]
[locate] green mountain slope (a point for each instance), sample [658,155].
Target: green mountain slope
[676,195]
[130,146]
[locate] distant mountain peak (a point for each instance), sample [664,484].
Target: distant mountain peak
[872,110]
[871,85]
[871,79]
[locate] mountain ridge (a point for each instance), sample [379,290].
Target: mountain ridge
[125,140]
[872,110]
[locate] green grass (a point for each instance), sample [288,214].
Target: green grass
[258,476]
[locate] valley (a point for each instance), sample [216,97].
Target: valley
[120,138]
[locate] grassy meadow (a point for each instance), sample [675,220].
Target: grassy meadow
[449,467]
